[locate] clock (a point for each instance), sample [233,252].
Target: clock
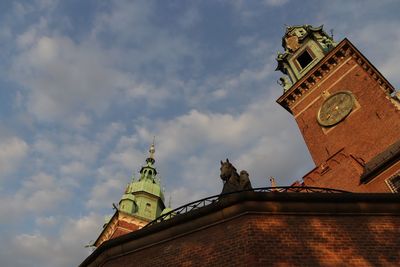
[335,108]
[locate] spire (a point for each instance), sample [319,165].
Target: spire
[149,171]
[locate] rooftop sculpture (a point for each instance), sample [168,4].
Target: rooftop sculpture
[232,180]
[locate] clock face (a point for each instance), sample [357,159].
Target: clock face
[335,108]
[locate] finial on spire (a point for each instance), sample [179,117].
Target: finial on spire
[152,149]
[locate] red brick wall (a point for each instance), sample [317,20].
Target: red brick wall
[342,171]
[366,132]
[341,151]
[123,228]
[379,183]
[280,240]
[118,226]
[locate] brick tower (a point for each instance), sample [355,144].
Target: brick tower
[347,112]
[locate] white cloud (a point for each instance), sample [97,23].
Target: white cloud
[237,87]
[220,93]
[38,181]
[12,151]
[65,79]
[190,18]
[81,122]
[186,133]
[387,52]
[154,47]
[376,38]
[42,193]
[66,248]
[30,36]
[275,2]
[111,131]
[79,232]
[74,158]
[5,33]
[73,168]
[71,152]
[182,195]
[39,194]
[33,246]
[106,192]
[49,221]
[20,9]
[81,149]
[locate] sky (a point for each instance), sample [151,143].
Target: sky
[85,85]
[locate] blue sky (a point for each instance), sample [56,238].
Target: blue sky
[85,85]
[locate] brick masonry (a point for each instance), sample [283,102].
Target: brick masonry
[258,229]
[120,224]
[340,151]
[367,131]
[280,240]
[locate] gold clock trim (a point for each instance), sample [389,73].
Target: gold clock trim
[340,117]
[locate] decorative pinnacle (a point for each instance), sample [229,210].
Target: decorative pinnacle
[272,180]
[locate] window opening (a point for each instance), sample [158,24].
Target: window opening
[304,59]
[394,183]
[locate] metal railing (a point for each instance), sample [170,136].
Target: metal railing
[212,199]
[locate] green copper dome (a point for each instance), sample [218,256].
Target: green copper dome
[144,198]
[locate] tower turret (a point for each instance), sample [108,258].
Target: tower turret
[304,47]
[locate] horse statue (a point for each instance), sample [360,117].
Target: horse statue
[232,180]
